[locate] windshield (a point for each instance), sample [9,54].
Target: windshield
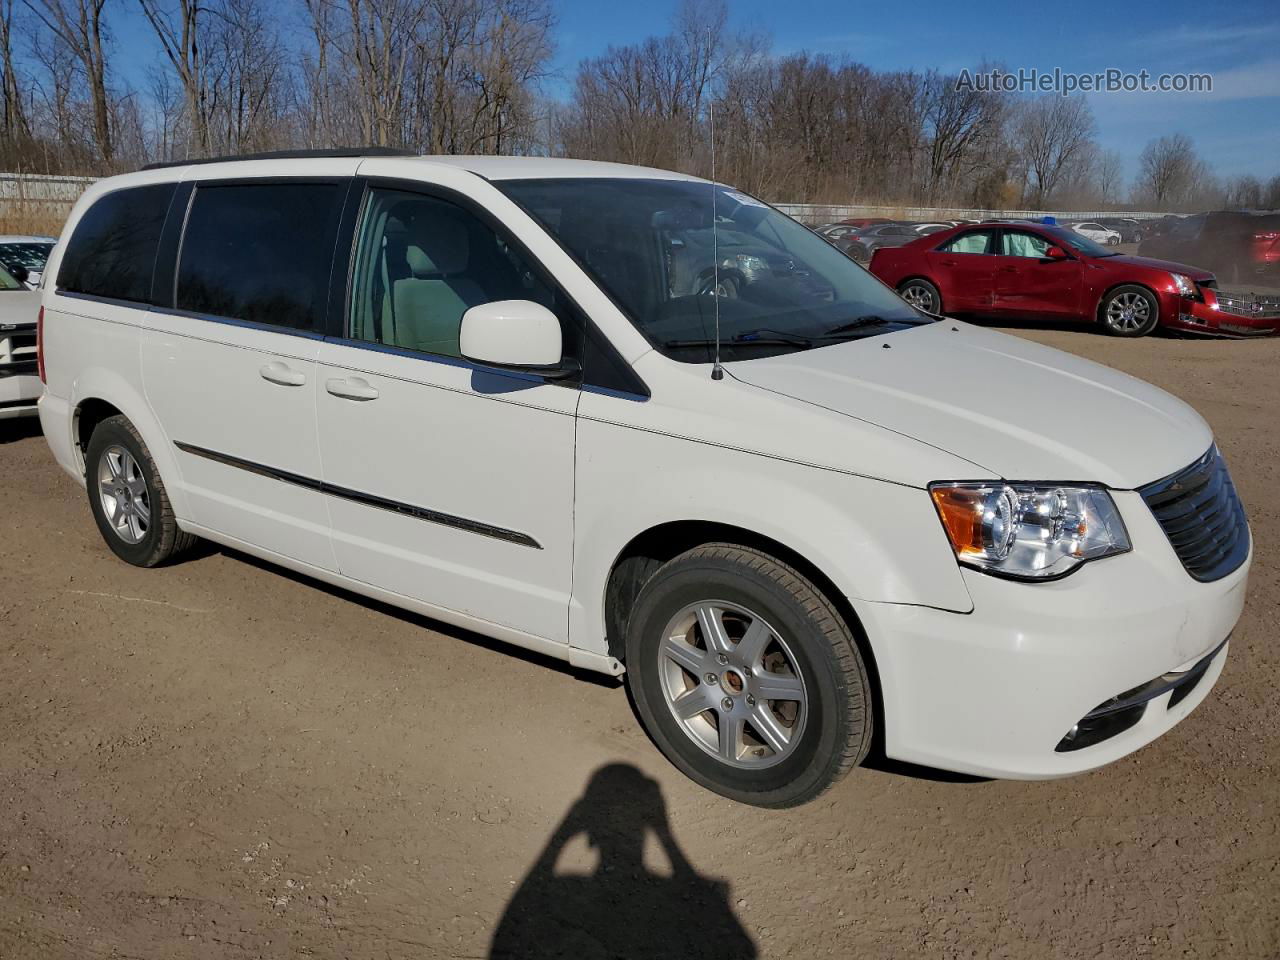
[7,281]
[1079,242]
[33,256]
[650,246]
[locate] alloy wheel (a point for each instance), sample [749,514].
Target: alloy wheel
[919,296]
[1128,312]
[733,684]
[123,492]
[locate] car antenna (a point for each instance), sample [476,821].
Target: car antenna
[717,371]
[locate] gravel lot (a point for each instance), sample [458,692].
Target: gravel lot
[219,759]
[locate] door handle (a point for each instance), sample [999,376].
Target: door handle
[351,388]
[948,263]
[277,372]
[1008,269]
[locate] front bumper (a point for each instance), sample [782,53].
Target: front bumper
[994,692]
[1224,315]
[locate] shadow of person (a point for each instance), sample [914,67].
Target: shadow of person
[621,911]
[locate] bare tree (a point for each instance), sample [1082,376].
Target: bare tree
[78,24]
[183,44]
[959,121]
[1052,135]
[1243,193]
[1108,176]
[13,113]
[1170,173]
[1271,194]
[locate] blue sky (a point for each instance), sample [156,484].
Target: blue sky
[1236,128]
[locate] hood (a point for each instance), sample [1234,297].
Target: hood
[1199,274]
[1016,409]
[19,307]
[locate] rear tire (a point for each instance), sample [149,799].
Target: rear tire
[922,295]
[1129,311]
[706,702]
[128,499]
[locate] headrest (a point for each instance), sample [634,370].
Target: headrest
[444,250]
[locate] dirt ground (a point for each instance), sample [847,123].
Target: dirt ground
[219,759]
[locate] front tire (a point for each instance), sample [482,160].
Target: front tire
[747,678]
[128,499]
[1129,311]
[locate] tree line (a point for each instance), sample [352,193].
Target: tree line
[472,76]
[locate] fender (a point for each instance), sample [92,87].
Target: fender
[892,550]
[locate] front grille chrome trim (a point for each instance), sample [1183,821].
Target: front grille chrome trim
[1202,516]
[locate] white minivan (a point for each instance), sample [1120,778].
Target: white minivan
[486,389]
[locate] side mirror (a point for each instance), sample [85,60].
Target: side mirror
[19,272]
[515,334]
[1055,253]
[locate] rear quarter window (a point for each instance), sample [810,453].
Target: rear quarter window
[112,251]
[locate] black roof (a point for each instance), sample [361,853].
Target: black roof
[291,155]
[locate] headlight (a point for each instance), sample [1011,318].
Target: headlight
[1186,286]
[1028,531]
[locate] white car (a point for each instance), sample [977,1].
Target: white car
[466,386]
[20,385]
[26,254]
[1097,233]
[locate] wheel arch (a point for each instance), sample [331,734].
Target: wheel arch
[101,393]
[648,550]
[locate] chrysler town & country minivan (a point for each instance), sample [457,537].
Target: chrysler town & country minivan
[797,515]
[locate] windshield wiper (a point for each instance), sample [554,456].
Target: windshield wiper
[765,335]
[870,320]
[769,338]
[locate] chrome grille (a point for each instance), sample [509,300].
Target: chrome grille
[1202,516]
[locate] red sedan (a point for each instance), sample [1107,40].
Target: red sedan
[1037,271]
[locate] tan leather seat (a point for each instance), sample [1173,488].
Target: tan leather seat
[429,303]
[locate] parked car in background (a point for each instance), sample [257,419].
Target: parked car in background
[1130,230]
[835,232]
[468,387]
[26,255]
[860,222]
[862,244]
[19,380]
[1238,246]
[1037,271]
[1097,232]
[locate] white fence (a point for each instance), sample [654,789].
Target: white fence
[31,203]
[26,193]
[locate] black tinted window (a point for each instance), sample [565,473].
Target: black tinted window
[112,252]
[260,252]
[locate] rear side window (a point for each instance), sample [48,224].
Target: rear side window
[112,252]
[974,241]
[260,252]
